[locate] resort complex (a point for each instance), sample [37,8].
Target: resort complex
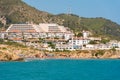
[38,31]
[51,37]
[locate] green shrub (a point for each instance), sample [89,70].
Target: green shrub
[1,41]
[92,42]
[113,49]
[100,52]
[51,45]
[104,41]
[14,44]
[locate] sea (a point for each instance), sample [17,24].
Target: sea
[61,69]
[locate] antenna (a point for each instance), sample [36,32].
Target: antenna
[69,11]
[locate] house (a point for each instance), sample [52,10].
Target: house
[103,46]
[119,44]
[85,34]
[2,35]
[89,47]
[79,41]
[114,43]
[97,47]
[64,47]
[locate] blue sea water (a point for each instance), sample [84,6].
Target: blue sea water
[61,70]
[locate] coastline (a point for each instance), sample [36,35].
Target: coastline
[38,59]
[54,58]
[17,53]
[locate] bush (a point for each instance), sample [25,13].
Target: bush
[1,41]
[92,42]
[51,45]
[104,41]
[56,50]
[100,52]
[79,34]
[66,50]
[113,49]
[14,44]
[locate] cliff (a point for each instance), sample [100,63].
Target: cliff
[89,54]
[15,52]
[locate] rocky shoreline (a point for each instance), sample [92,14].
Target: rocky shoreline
[13,53]
[63,55]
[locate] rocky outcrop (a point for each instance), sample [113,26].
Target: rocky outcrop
[9,57]
[88,54]
[13,53]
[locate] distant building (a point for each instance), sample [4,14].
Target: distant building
[85,34]
[62,37]
[79,41]
[25,28]
[54,30]
[114,43]
[2,35]
[64,47]
[43,30]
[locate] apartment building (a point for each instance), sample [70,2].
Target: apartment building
[79,41]
[43,30]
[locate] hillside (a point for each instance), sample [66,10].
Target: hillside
[98,26]
[16,11]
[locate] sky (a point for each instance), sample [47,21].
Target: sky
[108,9]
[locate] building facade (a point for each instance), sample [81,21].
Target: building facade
[43,30]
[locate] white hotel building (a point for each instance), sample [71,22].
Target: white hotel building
[43,30]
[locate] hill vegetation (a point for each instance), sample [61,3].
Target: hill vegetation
[16,11]
[98,26]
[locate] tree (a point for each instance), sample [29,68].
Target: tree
[104,41]
[92,42]
[79,34]
[51,45]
